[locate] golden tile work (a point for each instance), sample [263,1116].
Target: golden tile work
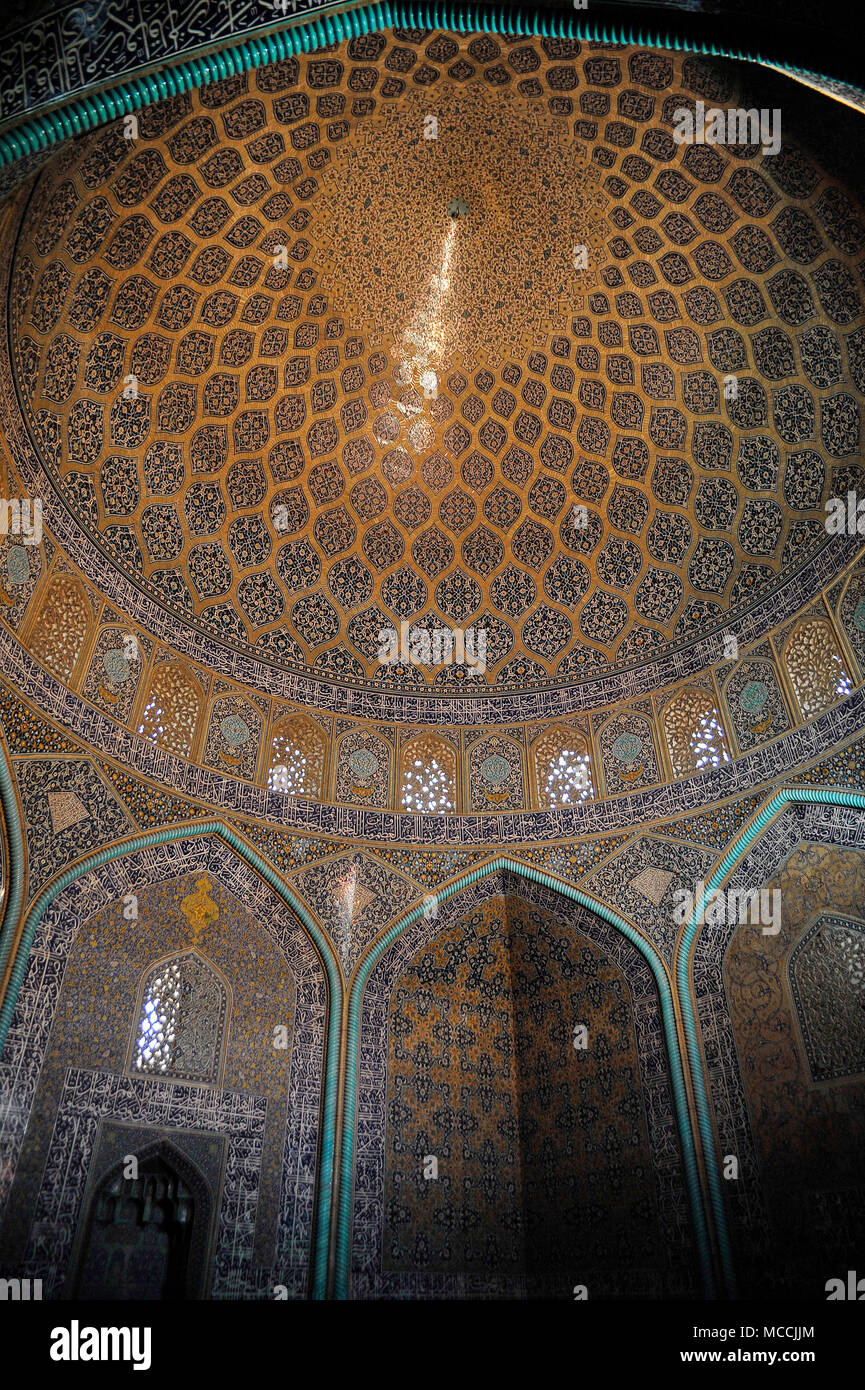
[443,291]
[298,402]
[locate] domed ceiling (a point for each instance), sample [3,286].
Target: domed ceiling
[446,331]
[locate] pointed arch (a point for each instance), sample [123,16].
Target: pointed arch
[298,753]
[683,964]
[675,1057]
[170,1196]
[753,700]
[495,774]
[815,667]
[181,1020]
[428,774]
[693,732]
[332,996]
[364,769]
[832,1029]
[233,736]
[172,708]
[561,764]
[61,625]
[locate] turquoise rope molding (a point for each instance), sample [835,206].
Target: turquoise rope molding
[334,981]
[15,842]
[81,114]
[677,1070]
[736,852]
[342,1215]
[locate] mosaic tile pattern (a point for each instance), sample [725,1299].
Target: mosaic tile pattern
[845,768]
[312,451]
[147,806]
[798,1151]
[718,827]
[20,571]
[67,808]
[289,852]
[279,472]
[640,882]
[755,702]
[628,751]
[271,1168]
[26,732]
[767,765]
[851,612]
[520,1193]
[502,227]
[571,862]
[335,477]
[384,1108]
[826,972]
[91,1096]
[430,870]
[112,678]
[745,1203]
[353,897]
[197,1161]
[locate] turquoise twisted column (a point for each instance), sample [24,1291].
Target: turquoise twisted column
[15,838]
[685,955]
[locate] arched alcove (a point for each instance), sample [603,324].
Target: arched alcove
[172,708]
[61,625]
[147,1230]
[298,751]
[248,1110]
[695,736]
[777,1010]
[562,767]
[815,667]
[428,774]
[513,1142]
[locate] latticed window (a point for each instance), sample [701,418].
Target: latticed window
[61,626]
[694,732]
[171,711]
[158,1025]
[563,768]
[816,670]
[297,754]
[707,742]
[181,1022]
[429,775]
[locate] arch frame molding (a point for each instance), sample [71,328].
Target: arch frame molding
[332,972]
[675,1059]
[338,1216]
